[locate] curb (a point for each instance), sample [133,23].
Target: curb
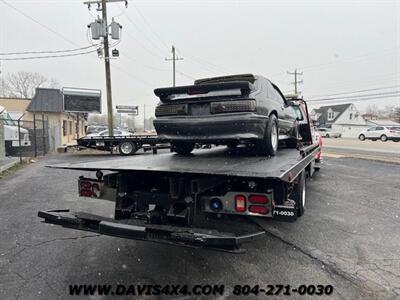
[8,165]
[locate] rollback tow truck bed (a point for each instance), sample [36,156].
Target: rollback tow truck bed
[208,199]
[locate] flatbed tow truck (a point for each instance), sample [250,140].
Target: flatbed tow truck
[127,145]
[211,198]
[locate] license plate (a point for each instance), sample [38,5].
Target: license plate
[285,213]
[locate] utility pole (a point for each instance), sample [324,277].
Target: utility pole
[102,5]
[174,59]
[144,117]
[296,82]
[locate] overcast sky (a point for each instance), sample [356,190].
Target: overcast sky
[341,46]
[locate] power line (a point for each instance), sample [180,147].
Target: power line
[353,92]
[48,51]
[356,100]
[48,56]
[392,93]
[144,34]
[37,22]
[148,25]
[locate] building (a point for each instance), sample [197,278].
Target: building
[16,107]
[64,127]
[47,104]
[343,118]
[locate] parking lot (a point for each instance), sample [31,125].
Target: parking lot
[348,238]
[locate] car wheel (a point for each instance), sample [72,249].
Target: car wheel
[396,141]
[299,194]
[269,144]
[127,148]
[361,137]
[183,148]
[327,136]
[384,138]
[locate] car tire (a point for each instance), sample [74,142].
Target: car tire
[183,148]
[396,141]
[361,137]
[384,138]
[269,144]
[127,148]
[299,194]
[327,136]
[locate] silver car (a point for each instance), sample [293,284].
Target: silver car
[328,133]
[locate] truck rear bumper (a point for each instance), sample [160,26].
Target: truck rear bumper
[140,230]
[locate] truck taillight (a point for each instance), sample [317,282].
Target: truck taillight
[240,203]
[258,199]
[258,209]
[88,188]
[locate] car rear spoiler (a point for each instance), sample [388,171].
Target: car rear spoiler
[202,89]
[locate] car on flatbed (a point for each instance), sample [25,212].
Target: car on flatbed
[229,110]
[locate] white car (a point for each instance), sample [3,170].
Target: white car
[383,133]
[117,132]
[328,133]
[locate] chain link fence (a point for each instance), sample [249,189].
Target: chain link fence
[26,137]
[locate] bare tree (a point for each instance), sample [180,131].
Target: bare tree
[23,84]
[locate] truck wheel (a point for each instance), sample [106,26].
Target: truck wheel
[299,194]
[127,148]
[361,137]
[384,138]
[183,148]
[269,144]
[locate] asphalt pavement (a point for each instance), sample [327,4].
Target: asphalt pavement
[348,238]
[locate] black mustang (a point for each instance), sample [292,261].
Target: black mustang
[230,110]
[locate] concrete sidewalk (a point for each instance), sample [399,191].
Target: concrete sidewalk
[8,162]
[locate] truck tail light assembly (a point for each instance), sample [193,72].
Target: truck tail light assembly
[240,203]
[88,188]
[171,110]
[258,199]
[233,106]
[258,209]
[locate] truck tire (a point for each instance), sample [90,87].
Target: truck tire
[183,148]
[127,148]
[269,144]
[299,194]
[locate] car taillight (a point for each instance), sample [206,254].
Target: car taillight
[171,109]
[240,203]
[258,209]
[258,199]
[233,106]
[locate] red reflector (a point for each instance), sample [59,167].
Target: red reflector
[240,203]
[257,209]
[260,199]
[86,185]
[86,193]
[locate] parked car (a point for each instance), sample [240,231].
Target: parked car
[95,128]
[383,133]
[328,133]
[117,132]
[229,110]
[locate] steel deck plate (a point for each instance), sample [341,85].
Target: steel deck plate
[217,161]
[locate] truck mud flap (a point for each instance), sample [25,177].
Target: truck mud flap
[140,230]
